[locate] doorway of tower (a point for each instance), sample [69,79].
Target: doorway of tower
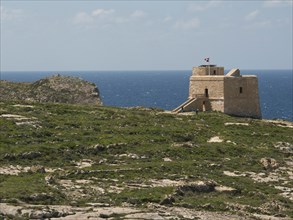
[204,106]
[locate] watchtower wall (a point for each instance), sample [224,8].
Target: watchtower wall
[205,70]
[210,89]
[241,96]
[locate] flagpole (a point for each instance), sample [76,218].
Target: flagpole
[209,67]
[207,59]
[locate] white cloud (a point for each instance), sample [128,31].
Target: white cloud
[106,17]
[277,3]
[252,15]
[10,14]
[102,12]
[83,18]
[167,19]
[138,14]
[189,24]
[202,6]
[90,18]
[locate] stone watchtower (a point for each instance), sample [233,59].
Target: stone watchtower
[211,90]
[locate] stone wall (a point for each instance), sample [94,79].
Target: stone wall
[217,104]
[209,87]
[204,71]
[241,96]
[213,84]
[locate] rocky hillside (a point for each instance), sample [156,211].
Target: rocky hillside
[57,88]
[64,161]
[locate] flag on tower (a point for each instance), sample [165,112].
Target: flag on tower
[207,59]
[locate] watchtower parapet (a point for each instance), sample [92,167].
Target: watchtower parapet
[208,70]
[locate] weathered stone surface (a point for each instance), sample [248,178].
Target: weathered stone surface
[84,163]
[30,155]
[184,144]
[199,186]
[167,159]
[152,211]
[285,147]
[169,200]
[145,216]
[37,197]
[37,169]
[25,211]
[8,156]
[269,163]
[215,139]
[13,170]
[230,123]
[25,155]
[226,189]
[99,147]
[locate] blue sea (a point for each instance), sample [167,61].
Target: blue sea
[168,89]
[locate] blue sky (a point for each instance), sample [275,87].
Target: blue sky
[145,35]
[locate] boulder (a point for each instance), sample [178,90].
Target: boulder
[269,163]
[30,155]
[37,169]
[37,197]
[169,200]
[226,189]
[199,187]
[285,147]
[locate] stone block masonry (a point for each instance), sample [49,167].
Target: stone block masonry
[233,94]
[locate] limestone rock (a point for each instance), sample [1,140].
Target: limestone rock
[37,197]
[13,170]
[199,186]
[167,159]
[30,155]
[145,216]
[56,88]
[226,189]
[26,155]
[169,200]
[269,163]
[37,169]
[188,144]
[285,147]
[215,139]
[273,206]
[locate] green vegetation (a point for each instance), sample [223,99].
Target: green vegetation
[128,151]
[56,88]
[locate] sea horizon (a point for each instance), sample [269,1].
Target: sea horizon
[167,89]
[138,70]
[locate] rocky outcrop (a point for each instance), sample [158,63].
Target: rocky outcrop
[284,147]
[269,163]
[56,88]
[25,155]
[152,211]
[200,186]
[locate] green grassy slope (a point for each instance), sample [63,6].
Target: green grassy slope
[131,149]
